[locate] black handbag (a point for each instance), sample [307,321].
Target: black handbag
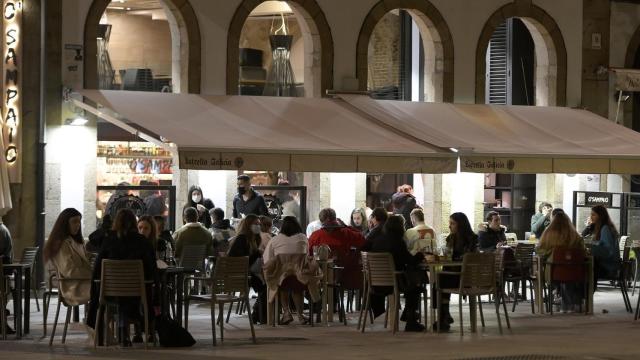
[171,334]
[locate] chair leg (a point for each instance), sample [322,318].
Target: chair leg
[229,311]
[391,309]
[66,323]
[221,319]
[99,316]
[461,317]
[213,321]
[637,309]
[438,319]
[533,308]
[45,312]
[426,309]
[344,312]
[253,331]
[498,298]
[55,323]
[35,294]
[506,313]
[367,309]
[360,317]
[635,275]
[481,312]
[186,313]
[386,313]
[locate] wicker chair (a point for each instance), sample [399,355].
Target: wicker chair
[380,272]
[230,277]
[477,278]
[61,301]
[122,278]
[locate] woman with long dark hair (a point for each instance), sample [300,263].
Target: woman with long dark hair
[461,240]
[247,243]
[65,250]
[358,220]
[147,227]
[604,246]
[126,243]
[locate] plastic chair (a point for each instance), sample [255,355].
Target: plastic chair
[521,272]
[381,272]
[230,276]
[62,301]
[122,278]
[50,290]
[477,278]
[29,257]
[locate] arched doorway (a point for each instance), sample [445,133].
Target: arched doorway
[183,51]
[550,62]
[384,41]
[314,52]
[632,108]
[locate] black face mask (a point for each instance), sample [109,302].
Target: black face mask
[241,190]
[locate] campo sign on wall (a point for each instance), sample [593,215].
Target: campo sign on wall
[12,90]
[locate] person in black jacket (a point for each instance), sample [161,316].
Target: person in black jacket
[248,201]
[491,234]
[196,200]
[124,243]
[403,203]
[376,222]
[392,241]
[247,243]
[97,238]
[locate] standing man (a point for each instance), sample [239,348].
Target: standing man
[542,219]
[248,201]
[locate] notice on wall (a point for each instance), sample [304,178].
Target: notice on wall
[12,79]
[627,79]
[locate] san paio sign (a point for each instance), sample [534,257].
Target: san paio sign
[11,81]
[598,198]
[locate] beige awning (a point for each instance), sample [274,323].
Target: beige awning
[5,192]
[514,139]
[269,133]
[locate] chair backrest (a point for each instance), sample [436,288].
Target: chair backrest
[568,265]
[350,276]
[524,254]
[122,278]
[380,268]
[478,273]
[29,255]
[192,257]
[231,275]
[513,237]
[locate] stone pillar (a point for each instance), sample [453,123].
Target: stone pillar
[595,87]
[549,188]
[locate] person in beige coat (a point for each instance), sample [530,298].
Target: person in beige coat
[66,253]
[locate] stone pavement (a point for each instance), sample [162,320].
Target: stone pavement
[610,335]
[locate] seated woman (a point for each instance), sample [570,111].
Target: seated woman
[359,220]
[604,246]
[392,241]
[65,250]
[461,240]
[491,234]
[125,244]
[291,240]
[561,234]
[247,243]
[165,241]
[147,227]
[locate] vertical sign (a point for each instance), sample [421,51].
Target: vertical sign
[11,85]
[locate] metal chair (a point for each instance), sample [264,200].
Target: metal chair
[566,266]
[51,289]
[521,272]
[122,278]
[29,257]
[192,260]
[230,276]
[62,301]
[381,272]
[477,278]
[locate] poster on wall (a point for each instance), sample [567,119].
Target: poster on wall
[12,89]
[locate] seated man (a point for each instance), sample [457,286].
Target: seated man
[491,234]
[421,237]
[192,233]
[221,230]
[334,233]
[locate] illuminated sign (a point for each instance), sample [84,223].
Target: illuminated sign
[10,124]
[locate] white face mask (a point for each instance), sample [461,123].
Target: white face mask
[255,229]
[196,198]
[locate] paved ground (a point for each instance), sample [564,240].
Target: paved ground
[610,335]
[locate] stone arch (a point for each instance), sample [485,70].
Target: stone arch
[437,41]
[186,42]
[550,52]
[318,61]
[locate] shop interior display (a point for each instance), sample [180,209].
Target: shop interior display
[513,197]
[133,162]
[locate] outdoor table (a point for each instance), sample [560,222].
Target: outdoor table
[177,273]
[434,268]
[539,271]
[20,271]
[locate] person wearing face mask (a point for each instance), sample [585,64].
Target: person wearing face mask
[192,233]
[248,201]
[196,200]
[247,243]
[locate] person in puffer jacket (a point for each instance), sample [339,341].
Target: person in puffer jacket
[491,234]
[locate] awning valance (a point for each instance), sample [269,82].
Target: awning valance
[514,139]
[270,133]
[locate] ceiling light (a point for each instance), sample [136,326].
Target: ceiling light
[78,121]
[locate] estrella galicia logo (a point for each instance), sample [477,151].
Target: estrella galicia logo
[238,162]
[511,164]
